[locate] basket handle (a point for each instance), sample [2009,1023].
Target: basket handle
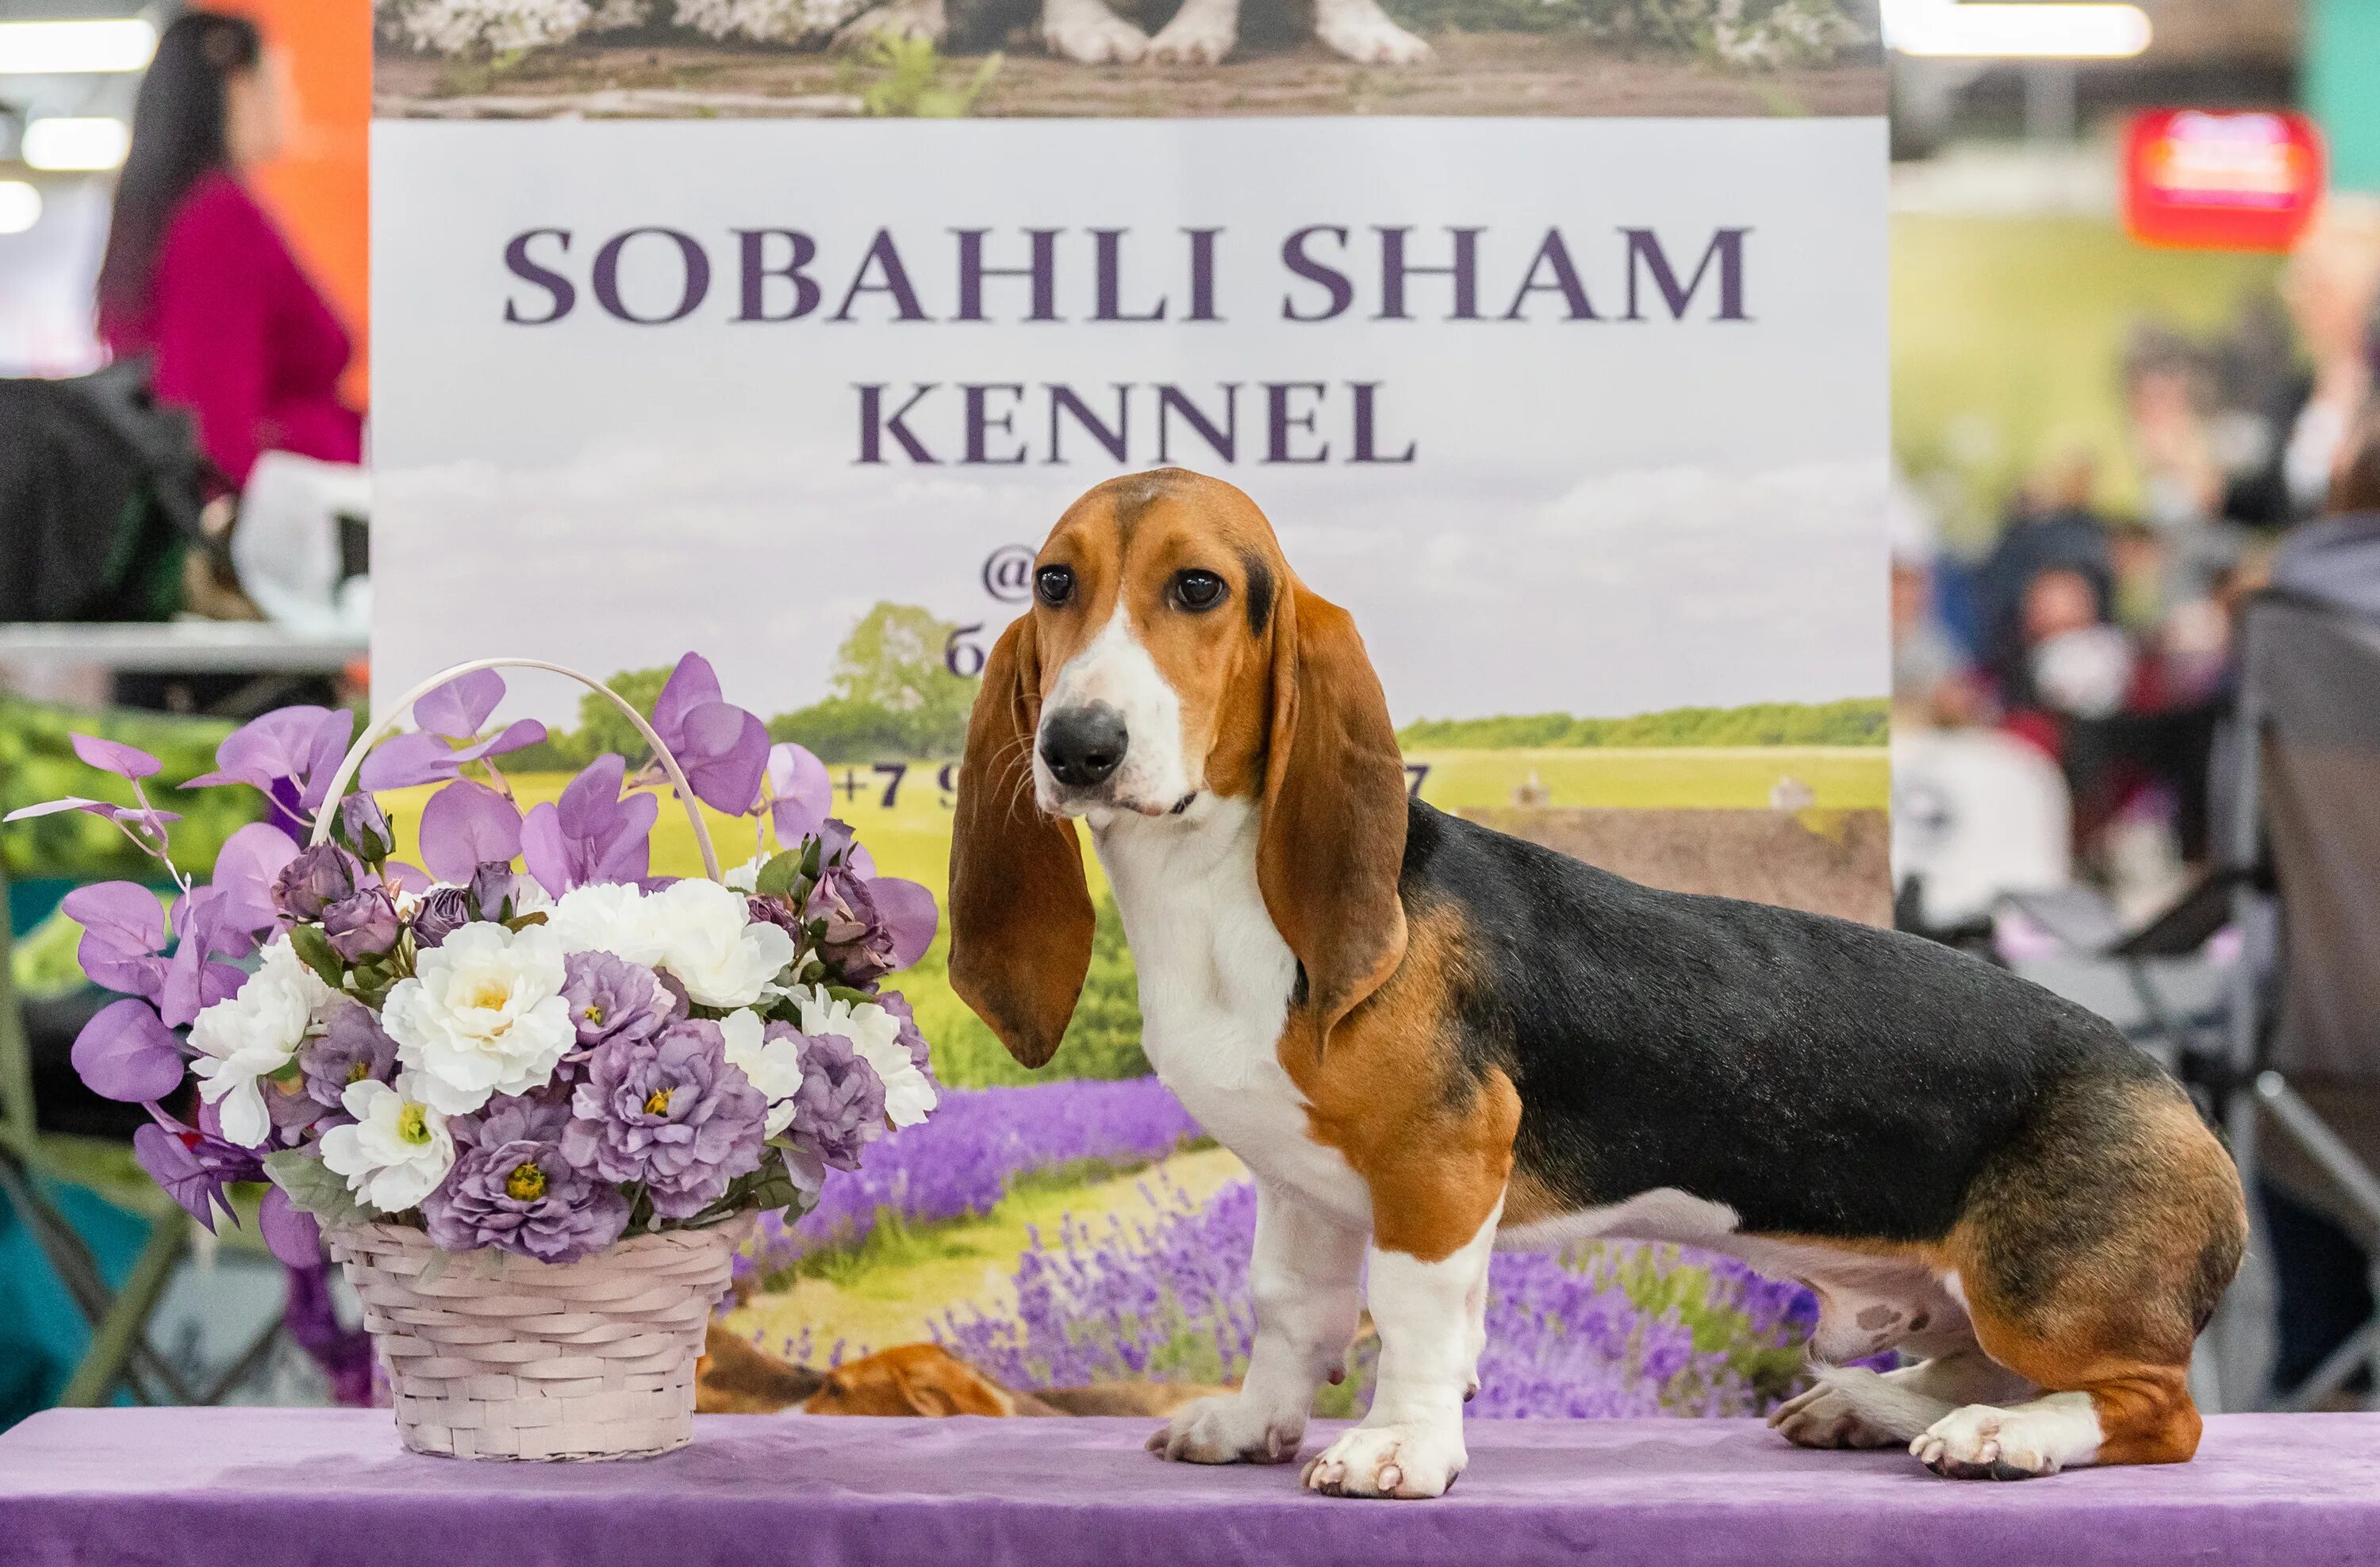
[380,730]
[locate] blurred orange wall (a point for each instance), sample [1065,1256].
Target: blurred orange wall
[318,187]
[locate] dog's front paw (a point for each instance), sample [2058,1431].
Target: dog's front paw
[1825,1417]
[1199,36]
[1363,33]
[1229,1429]
[1090,34]
[1411,1461]
[902,18]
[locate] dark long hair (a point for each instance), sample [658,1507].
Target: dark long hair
[177,136]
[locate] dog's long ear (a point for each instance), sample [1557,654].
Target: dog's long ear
[1021,919]
[1333,839]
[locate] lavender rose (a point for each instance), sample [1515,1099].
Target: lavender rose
[670,1111]
[363,926]
[839,1107]
[857,941]
[511,1187]
[319,877]
[363,827]
[912,1039]
[613,998]
[495,888]
[443,911]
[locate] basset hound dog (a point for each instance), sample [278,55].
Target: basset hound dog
[1427,1039]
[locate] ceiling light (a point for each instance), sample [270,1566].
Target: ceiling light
[87,144]
[2036,30]
[20,206]
[122,44]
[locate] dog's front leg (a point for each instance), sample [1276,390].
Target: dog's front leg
[1303,1274]
[1201,33]
[1429,1317]
[1088,32]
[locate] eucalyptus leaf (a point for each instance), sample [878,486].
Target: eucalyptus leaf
[776,879]
[314,1186]
[314,948]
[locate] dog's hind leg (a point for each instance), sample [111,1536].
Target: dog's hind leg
[2091,1254]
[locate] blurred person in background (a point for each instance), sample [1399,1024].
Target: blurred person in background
[197,275]
[2331,287]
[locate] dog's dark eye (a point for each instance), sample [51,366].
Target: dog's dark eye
[1197,589]
[1055,584]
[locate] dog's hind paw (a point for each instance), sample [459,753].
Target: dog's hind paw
[1199,36]
[1361,31]
[1825,1417]
[1229,1429]
[1420,1459]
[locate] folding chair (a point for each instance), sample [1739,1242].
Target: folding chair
[2304,1028]
[33,1162]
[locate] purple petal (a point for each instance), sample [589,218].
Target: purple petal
[73,802]
[251,857]
[519,732]
[801,791]
[123,931]
[545,852]
[290,1233]
[626,854]
[404,878]
[126,1052]
[463,826]
[691,684]
[908,911]
[589,800]
[457,709]
[332,731]
[724,750]
[405,760]
[110,756]
[303,744]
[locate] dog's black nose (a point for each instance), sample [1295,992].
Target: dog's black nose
[1084,745]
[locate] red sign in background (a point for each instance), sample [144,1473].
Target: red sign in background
[2212,179]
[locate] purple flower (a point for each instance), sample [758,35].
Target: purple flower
[613,998]
[781,913]
[123,936]
[443,911]
[317,877]
[724,749]
[590,833]
[669,1111]
[511,1187]
[193,1167]
[301,747]
[111,756]
[455,712]
[363,926]
[839,1107]
[495,889]
[350,1049]
[290,1233]
[463,826]
[874,925]
[127,1052]
[211,923]
[363,828]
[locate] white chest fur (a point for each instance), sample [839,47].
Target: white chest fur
[1215,978]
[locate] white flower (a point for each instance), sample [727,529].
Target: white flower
[483,1016]
[251,1035]
[875,1034]
[395,1153]
[773,1066]
[745,878]
[605,916]
[710,941]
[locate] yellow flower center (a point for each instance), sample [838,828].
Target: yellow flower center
[526,1183]
[490,996]
[594,1013]
[358,1072]
[413,1125]
[657,1103]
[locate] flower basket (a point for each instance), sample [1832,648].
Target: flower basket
[575,1360]
[534,1095]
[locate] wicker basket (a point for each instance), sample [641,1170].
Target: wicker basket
[587,1359]
[498,1355]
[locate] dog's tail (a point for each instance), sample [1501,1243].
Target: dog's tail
[1884,1404]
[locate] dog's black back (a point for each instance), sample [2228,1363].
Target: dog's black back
[1820,1078]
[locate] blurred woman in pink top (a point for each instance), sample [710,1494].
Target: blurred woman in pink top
[197,275]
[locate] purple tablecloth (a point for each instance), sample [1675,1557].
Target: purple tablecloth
[274,1487]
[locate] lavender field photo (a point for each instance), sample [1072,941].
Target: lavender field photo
[1068,1233]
